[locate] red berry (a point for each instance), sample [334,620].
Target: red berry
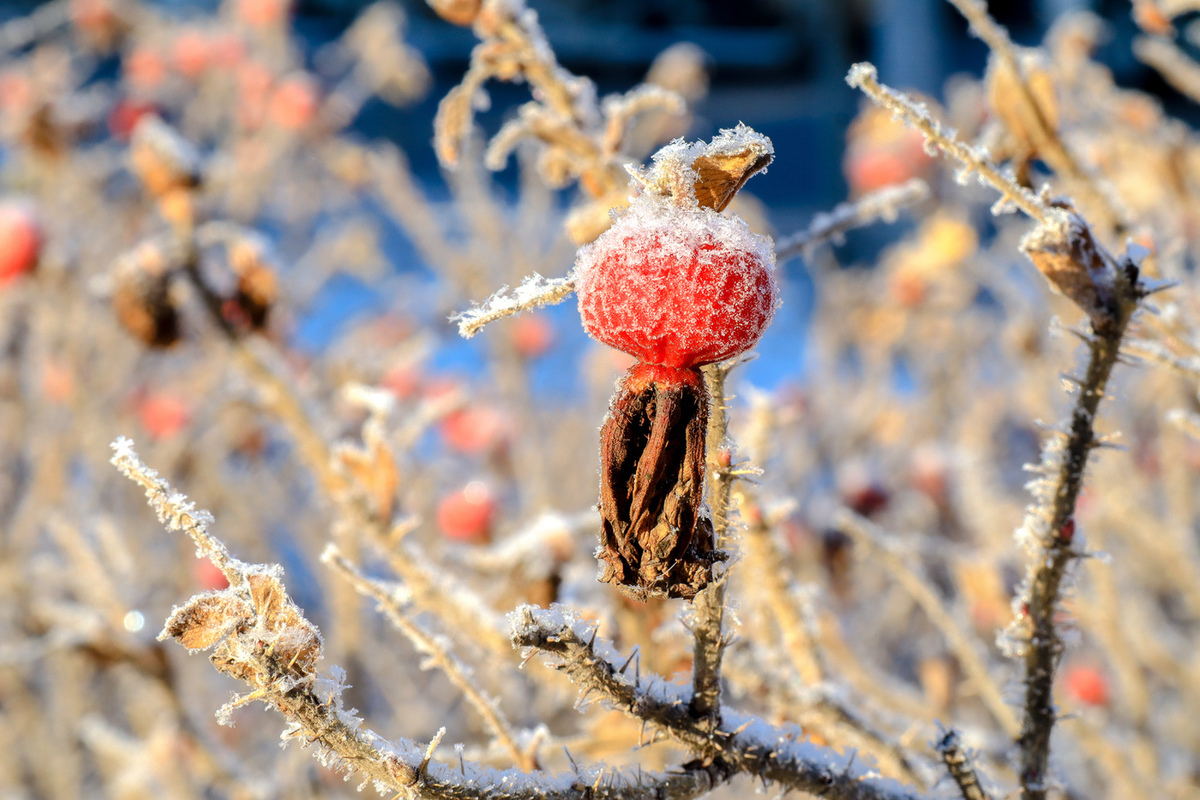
[467,515]
[125,116]
[208,575]
[144,68]
[475,429]
[191,52]
[294,104]
[681,287]
[20,241]
[1086,684]
[263,13]
[163,415]
[532,335]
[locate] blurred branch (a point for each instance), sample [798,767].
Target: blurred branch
[959,765]
[439,652]
[962,643]
[881,204]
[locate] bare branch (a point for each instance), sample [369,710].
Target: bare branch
[881,204]
[534,292]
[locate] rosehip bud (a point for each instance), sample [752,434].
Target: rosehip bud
[681,287]
[20,241]
[467,515]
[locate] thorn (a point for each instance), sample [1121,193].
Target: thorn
[424,767]
[574,766]
[632,654]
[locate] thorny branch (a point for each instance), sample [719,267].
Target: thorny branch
[738,743]
[958,764]
[313,705]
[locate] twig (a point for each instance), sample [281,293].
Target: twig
[1049,145]
[709,605]
[1174,65]
[959,765]
[965,647]
[534,292]
[974,160]
[741,743]
[438,650]
[1049,530]
[881,204]
[313,705]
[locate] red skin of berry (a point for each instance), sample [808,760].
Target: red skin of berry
[675,295]
[21,236]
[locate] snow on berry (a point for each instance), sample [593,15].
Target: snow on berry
[675,285]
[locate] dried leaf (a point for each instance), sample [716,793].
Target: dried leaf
[721,176]
[206,619]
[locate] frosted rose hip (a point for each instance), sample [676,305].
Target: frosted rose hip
[682,287]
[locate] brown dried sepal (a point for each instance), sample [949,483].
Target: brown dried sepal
[714,172]
[656,538]
[142,299]
[1065,251]
[257,285]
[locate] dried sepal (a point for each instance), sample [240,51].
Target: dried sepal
[710,173]
[161,158]
[1066,252]
[207,618]
[142,298]
[656,537]
[257,285]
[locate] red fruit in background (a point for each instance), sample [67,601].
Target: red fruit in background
[144,68]
[680,287]
[125,116]
[874,169]
[475,429]
[20,241]
[403,380]
[1087,684]
[191,53]
[467,515]
[226,50]
[294,104]
[532,335]
[16,93]
[163,415]
[208,575]
[263,13]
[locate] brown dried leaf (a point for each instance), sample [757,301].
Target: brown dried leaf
[268,596]
[206,618]
[721,176]
[1067,254]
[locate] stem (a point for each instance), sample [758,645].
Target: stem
[1045,646]
[709,641]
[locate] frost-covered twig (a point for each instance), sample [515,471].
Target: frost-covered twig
[959,765]
[439,651]
[709,605]
[881,204]
[962,643]
[534,292]
[1175,66]
[260,637]
[1049,527]
[1049,145]
[739,743]
[863,76]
